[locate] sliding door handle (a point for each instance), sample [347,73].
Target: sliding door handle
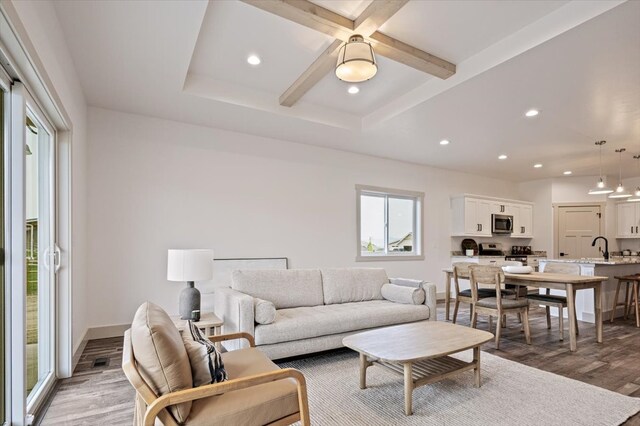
[57,257]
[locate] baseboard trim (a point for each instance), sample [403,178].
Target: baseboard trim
[107,331]
[77,353]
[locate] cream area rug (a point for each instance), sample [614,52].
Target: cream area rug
[511,394]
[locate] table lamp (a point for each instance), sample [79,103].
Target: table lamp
[190,266]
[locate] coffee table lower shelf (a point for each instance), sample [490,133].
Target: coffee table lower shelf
[422,372]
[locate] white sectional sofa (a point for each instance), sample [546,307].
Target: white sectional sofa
[315,309]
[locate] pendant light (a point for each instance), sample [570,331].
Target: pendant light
[356,61]
[620,191]
[636,194]
[601,187]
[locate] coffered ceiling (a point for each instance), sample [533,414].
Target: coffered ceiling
[576,61]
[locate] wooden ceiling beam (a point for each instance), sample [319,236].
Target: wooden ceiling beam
[375,15]
[312,75]
[401,52]
[328,22]
[308,14]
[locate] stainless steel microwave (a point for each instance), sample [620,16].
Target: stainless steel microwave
[501,224]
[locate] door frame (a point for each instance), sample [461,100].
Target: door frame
[556,221]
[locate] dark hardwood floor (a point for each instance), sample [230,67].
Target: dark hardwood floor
[103,396]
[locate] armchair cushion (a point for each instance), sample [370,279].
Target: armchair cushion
[265,311]
[403,294]
[206,364]
[160,354]
[256,405]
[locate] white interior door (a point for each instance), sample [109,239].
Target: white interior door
[577,227]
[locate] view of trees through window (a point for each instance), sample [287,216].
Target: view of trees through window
[387,224]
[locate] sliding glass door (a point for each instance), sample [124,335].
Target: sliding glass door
[39,253]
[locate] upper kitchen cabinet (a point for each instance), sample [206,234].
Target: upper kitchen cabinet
[472,216]
[522,221]
[628,220]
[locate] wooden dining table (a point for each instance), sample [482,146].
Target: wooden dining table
[567,282]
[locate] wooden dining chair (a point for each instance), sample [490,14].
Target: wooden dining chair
[461,271]
[497,305]
[549,300]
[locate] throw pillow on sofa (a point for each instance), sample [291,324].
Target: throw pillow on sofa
[206,364]
[406,282]
[403,294]
[264,312]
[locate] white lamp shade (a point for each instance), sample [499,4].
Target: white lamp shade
[190,265]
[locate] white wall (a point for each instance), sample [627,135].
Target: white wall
[44,31]
[158,184]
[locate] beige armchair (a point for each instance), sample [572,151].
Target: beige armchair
[258,392]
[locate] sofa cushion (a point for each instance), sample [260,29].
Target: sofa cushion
[257,405]
[403,294]
[352,284]
[264,311]
[285,288]
[304,323]
[161,356]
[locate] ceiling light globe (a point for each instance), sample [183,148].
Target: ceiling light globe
[620,188]
[444,142]
[353,90]
[532,113]
[567,173]
[537,166]
[356,61]
[502,157]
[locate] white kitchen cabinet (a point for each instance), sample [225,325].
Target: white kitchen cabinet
[522,221]
[501,207]
[628,220]
[471,217]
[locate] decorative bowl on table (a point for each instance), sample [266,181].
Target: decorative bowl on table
[518,269]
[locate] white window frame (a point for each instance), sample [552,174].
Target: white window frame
[417,197]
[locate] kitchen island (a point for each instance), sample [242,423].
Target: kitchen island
[585,309]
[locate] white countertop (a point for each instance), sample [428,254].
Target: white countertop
[600,261]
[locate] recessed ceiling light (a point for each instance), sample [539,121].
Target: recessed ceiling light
[353,90]
[568,172]
[537,166]
[532,113]
[254,60]
[502,157]
[444,142]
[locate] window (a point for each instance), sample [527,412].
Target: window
[389,224]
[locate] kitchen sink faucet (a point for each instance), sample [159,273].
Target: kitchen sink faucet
[606,246]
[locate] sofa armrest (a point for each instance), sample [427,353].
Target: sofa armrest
[430,300]
[236,310]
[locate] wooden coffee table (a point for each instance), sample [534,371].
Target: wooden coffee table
[419,352]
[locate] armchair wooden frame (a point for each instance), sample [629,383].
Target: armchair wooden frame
[156,406]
